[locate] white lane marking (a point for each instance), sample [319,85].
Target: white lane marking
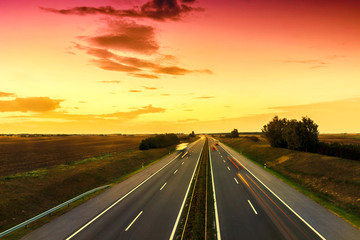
[224,161]
[175,171]
[228,168]
[186,195]
[252,207]
[133,221]
[163,186]
[215,203]
[307,224]
[182,163]
[236,181]
[112,205]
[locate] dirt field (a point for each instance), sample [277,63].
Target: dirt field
[341,138]
[21,154]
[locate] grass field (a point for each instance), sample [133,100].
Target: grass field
[52,175]
[333,182]
[341,138]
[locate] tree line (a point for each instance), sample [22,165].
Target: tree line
[304,136]
[159,141]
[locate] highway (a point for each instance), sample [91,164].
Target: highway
[151,210]
[246,209]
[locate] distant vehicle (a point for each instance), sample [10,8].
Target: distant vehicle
[182,146]
[183,149]
[216,143]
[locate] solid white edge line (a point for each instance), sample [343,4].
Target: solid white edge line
[175,171]
[306,223]
[112,205]
[215,203]
[252,207]
[163,186]
[133,221]
[182,163]
[183,203]
[236,181]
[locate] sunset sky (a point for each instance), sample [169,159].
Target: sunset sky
[152,66]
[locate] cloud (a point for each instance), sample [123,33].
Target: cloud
[30,104]
[165,94]
[5,94]
[172,70]
[311,61]
[115,81]
[228,106]
[134,114]
[188,110]
[188,120]
[159,10]
[122,36]
[135,91]
[144,75]
[150,88]
[82,102]
[126,36]
[206,97]
[107,64]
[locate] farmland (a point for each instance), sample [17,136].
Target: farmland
[22,154]
[37,173]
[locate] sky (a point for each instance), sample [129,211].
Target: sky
[160,66]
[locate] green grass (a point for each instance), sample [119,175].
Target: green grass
[301,171]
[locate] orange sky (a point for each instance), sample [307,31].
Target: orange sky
[176,66]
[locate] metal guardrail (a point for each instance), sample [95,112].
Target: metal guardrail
[50,211]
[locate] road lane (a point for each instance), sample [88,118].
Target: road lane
[247,210]
[148,212]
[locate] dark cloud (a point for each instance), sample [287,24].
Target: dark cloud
[30,104]
[126,36]
[159,10]
[5,94]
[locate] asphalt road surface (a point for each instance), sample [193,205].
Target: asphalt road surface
[246,209]
[148,211]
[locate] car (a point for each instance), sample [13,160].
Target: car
[216,143]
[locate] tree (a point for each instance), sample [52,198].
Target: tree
[192,134]
[234,133]
[274,132]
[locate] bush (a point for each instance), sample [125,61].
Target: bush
[274,132]
[159,141]
[348,151]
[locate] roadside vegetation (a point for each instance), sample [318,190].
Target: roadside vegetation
[304,136]
[331,181]
[95,161]
[159,141]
